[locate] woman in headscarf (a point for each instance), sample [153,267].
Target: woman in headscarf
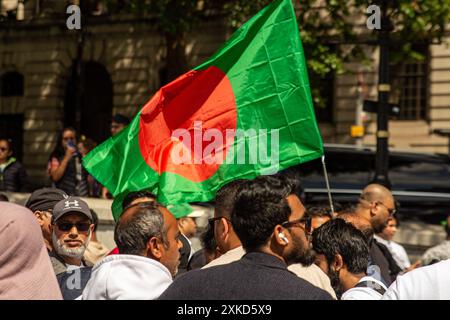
[25,269]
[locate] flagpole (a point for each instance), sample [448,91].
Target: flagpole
[327,184]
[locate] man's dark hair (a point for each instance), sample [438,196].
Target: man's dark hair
[293,177]
[120,118]
[259,206]
[132,234]
[130,197]
[3,197]
[225,198]
[94,219]
[319,211]
[339,237]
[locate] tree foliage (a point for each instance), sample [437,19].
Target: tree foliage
[324,26]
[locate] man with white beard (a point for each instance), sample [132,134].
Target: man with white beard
[71,232]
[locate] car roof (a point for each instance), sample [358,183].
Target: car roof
[392,151]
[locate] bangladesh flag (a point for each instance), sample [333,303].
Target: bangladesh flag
[244,112]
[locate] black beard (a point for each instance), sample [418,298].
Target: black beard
[336,283]
[300,254]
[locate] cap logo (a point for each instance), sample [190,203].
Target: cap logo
[72,204]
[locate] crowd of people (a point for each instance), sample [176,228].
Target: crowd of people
[262,243]
[64,168]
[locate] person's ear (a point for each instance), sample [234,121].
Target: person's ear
[38,215]
[280,237]
[225,227]
[92,226]
[373,208]
[338,262]
[154,248]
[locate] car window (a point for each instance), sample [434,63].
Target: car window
[419,174]
[346,169]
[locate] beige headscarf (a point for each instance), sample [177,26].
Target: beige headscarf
[25,268]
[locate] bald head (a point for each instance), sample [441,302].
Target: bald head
[377,205]
[376,192]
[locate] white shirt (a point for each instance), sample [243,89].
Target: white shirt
[398,252]
[425,283]
[364,293]
[127,277]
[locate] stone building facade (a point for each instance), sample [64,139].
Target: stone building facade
[125,57]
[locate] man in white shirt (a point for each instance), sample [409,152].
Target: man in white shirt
[342,252]
[398,252]
[147,236]
[425,283]
[439,252]
[231,248]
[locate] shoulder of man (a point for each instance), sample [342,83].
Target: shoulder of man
[57,263]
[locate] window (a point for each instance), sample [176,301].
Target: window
[11,84]
[409,81]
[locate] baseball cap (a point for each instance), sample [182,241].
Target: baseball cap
[45,199]
[70,205]
[196,213]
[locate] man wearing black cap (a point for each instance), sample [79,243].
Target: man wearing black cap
[41,203]
[71,232]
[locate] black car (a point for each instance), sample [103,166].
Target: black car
[420,182]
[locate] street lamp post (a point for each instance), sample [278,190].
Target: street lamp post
[382,153]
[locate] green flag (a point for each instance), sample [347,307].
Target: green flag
[244,112]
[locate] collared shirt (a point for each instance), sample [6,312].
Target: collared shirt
[365,292]
[398,252]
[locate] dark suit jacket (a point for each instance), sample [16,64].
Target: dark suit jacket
[381,257]
[185,252]
[257,276]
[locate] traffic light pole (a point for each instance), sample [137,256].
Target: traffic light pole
[382,154]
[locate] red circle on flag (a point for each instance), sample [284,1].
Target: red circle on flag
[189,124]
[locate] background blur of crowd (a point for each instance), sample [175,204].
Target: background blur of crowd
[65,170]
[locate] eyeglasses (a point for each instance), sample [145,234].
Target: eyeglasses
[67,226]
[391,211]
[304,223]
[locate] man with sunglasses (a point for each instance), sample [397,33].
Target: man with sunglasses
[71,232]
[377,205]
[269,220]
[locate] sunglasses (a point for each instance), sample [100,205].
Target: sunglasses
[67,226]
[391,211]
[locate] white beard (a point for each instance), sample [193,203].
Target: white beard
[65,251]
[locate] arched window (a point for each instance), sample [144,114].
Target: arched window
[95,101]
[11,84]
